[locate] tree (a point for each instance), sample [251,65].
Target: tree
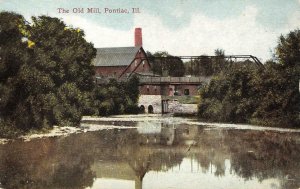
[229,97]
[63,56]
[261,96]
[166,64]
[278,96]
[287,50]
[13,54]
[220,52]
[281,101]
[117,97]
[206,65]
[132,88]
[219,63]
[46,72]
[12,50]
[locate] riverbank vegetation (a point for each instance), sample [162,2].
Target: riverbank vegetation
[245,94]
[117,97]
[46,77]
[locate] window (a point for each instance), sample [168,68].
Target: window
[171,92]
[186,92]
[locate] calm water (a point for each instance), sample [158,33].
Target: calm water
[155,154]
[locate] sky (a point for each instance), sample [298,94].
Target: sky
[180,27]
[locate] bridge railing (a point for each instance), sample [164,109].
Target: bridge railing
[158,80]
[199,79]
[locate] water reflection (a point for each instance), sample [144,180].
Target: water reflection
[155,155]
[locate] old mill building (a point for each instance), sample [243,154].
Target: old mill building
[122,62]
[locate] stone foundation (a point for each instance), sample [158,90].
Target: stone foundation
[176,107]
[154,102]
[148,101]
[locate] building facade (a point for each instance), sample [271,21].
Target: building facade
[119,62]
[123,62]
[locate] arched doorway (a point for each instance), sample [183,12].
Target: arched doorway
[150,109]
[142,109]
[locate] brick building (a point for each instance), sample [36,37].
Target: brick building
[121,61]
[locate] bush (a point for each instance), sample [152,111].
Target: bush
[117,98]
[247,95]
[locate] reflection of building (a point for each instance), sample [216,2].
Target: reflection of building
[187,135]
[154,152]
[163,134]
[156,134]
[119,170]
[149,128]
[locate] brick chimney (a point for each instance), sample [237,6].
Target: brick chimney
[138,41]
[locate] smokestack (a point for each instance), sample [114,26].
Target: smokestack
[138,41]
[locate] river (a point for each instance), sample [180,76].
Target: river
[155,152]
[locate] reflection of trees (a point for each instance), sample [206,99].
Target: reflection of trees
[67,162]
[47,163]
[16,164]
[141,157]
[266,154]
[78,176]
[212,151]
[253,154]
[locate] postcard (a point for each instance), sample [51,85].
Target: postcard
[150,94]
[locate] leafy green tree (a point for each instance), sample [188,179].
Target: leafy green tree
[12,50]
[228,97]
[218,63]
[13,54]
[133,93]
[220,52]
[117,97]
[287,50]
[46,72]
[63,56]
[166,64]
[280,84]
[201,66]
[262,96]
[206,65]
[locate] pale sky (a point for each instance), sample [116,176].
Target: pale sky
[181,27]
